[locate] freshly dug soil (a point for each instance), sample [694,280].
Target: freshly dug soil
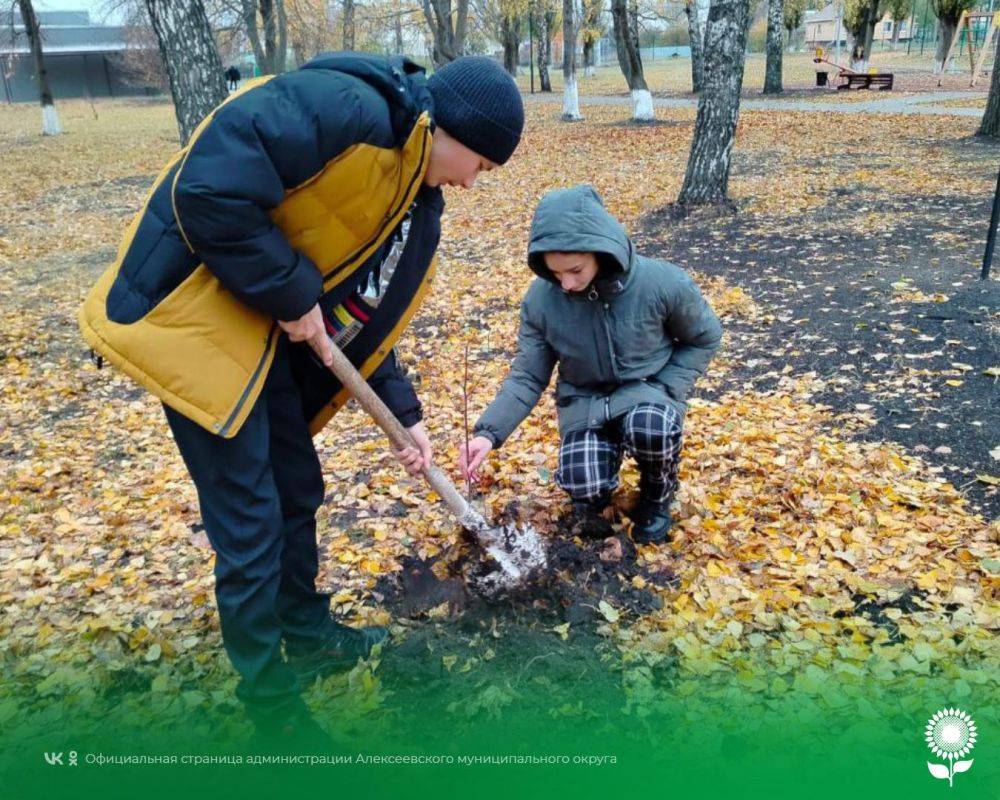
[579,574]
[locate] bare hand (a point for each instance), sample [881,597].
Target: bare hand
[470,459]
[310,328]
[417,458]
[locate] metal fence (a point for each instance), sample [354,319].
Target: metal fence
[70,75]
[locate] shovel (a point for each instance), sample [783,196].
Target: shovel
[517,553]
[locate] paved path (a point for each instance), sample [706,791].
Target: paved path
[899,104]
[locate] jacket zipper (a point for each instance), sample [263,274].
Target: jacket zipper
[611,344]
[391,215]
[270,334]
[594,295]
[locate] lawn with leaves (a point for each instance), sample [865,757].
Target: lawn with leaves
[672,76]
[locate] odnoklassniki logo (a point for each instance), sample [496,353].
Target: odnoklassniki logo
[951,734]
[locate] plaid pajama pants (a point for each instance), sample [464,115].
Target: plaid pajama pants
[589,460]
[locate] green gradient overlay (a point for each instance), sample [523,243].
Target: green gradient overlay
[639,733]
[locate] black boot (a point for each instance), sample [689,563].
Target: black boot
[586,520]
[339,652]
[652,522]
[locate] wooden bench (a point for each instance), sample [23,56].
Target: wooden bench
[882,81]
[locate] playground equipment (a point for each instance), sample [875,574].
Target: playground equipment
[852,79]
[967,23]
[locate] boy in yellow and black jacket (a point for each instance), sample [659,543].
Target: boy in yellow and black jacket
[305,209]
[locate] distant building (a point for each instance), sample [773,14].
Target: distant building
[821,28]
[81,59]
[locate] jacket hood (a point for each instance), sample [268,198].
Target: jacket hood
[575,221]
[399,80]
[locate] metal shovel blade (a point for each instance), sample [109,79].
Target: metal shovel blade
[518,552]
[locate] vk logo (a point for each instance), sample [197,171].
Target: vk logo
[57,758]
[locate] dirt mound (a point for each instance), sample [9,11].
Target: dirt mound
[578,576]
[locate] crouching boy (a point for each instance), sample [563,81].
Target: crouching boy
[630,334]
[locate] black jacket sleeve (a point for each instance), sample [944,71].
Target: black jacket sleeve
[259,145]
[395,390]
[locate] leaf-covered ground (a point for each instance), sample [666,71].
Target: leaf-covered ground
[807,540]
[672,76]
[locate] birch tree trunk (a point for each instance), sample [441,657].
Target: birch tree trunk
[706,181]
[571,97]
[50,117]
[191,58]
[697,14]
[775,33]
[630,61]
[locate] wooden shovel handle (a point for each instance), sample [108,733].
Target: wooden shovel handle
[398,435]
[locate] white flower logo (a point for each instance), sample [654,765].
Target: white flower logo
[951,734]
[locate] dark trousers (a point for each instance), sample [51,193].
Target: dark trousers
[589,460]
[259,492]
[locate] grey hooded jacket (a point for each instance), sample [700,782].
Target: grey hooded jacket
[642,333]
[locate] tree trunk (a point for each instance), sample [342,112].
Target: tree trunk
[192,60]
[50,117]
[269,52]
[397,27]
[775,28]
[873,20]
[946,32]
[281,59]
[269,20]
[509,29]
[990,126]
[897,26]
[571,97]
[697,13]
[348,24]
[447,29]
[590,24]
[863,32]
[633,21]
[627,47]
[545,50]
[706,180]
[249,9]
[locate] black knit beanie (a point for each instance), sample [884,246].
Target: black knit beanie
[477,102]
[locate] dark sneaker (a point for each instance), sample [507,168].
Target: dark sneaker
[289,729]
[587,521]
[338,653]
[652,523]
